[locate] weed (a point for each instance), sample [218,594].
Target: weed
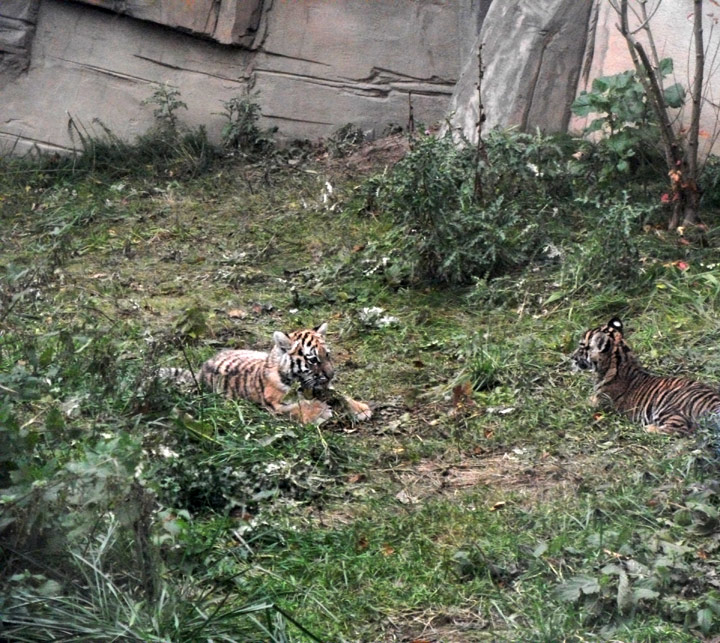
[241,132]
[166,100]
[345,140]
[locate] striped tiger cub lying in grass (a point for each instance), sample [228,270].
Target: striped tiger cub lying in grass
[266,378]
[665,404]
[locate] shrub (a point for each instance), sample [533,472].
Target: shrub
[241,132]
[445,232]
[609,254]
[626,120]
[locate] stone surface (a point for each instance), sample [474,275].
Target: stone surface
[104,71]
[532,54]
[325,64]
[314,65]
[17,28]
[671,24]
[227,21]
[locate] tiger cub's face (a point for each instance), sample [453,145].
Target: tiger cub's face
[596,347]
[309,358]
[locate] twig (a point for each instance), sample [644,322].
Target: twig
[411,116]
[480,150]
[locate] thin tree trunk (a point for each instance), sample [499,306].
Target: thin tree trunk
[480,151]
[691,212]
[682,162]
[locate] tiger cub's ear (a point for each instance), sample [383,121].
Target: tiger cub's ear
[616,324]
[282,341]
[321,329]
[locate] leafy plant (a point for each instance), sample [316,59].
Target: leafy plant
[626,120]
[166,99]
[345,140]
[444,233]
[241,132]
[657,572]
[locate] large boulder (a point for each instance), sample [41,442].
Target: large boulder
[532,56]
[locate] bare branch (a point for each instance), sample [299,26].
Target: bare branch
[696,88]
[650,84]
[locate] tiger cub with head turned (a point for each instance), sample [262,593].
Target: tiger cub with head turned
[664,404]
[266,378]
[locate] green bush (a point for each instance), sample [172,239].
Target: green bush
[626,120]
[241,132]
[609,254]
[445,231]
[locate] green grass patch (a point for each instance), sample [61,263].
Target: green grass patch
[486,500]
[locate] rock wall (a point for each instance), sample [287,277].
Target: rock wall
[313,65]
[532,54]
[230,22]
[17,28]
[317,64]
[539,55]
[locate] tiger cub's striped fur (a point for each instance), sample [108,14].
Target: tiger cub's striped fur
[666,404]
[266,378]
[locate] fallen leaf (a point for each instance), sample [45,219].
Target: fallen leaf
[462,394]
[387,550]
[237,313]
[498,505]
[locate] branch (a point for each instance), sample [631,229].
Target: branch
[480,150]
[646,27]
[696,90]
[647,77]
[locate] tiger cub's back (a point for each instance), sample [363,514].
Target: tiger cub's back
[237,374]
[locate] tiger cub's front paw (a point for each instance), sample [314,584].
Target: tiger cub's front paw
[360,410]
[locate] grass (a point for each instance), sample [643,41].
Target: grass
[508,511]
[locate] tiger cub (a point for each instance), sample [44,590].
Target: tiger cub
[665,404]
[266,378]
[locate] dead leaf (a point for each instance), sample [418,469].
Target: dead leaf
[356,477]
[387,550]
[498,505]
[237,313]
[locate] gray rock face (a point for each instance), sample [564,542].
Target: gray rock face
[532,54]
[317,64]
[324,64]
[313,65]
[227,21]
[17,27]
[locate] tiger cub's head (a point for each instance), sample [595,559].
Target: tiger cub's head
[307,358]
[598,347]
